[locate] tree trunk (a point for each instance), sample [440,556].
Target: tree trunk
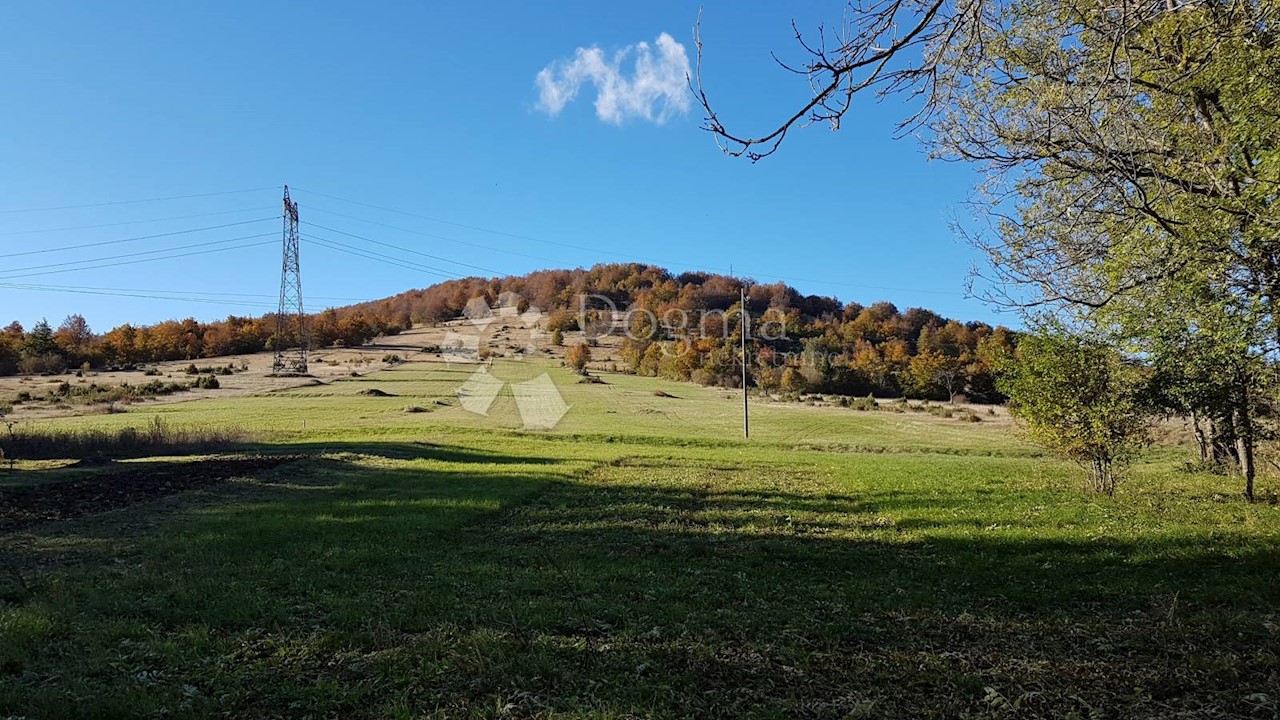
[1244,449]
[1202,440]
[1222,438]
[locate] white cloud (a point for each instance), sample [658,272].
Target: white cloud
[656,89]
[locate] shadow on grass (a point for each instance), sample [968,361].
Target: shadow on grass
[413,450]
[351,590]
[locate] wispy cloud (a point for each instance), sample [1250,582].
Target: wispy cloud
[655,90]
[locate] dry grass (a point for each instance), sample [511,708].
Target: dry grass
[24,441]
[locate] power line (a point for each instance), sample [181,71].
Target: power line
[357,253]
[624,256]
[145,260]
[87,291]
[387,259]
[434,236]
[132,239]
[478,228]
[409,250]
[182,293]
[130,222]
[135,202]
[127,255]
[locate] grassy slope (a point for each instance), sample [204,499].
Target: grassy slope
[642,560]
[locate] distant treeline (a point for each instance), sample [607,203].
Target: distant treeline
[682,326]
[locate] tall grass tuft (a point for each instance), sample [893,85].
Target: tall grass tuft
[43,442]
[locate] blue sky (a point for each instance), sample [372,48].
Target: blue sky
[433,110]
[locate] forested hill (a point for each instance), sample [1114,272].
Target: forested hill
[811,342]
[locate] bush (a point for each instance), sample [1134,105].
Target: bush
[1079,398]
[152,372]
[5,408]
[391,359]
[192,369]
[50,364]
[866,403]
[207,382]
[578,357]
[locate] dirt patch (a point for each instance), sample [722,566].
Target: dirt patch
[375,392]
[122,486]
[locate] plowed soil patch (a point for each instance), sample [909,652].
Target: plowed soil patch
[119,487]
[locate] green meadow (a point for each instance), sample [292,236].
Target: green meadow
[639,560]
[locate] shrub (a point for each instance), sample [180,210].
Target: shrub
[5,408]
[50,364]
[578,357]
[207,382]
[866,403]
[391,359]
[192,369]
[1079,398]
[152,372]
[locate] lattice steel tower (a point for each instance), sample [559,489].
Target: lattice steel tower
[291,333]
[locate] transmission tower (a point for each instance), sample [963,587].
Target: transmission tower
[291,332]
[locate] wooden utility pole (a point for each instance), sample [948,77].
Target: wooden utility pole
[746,328]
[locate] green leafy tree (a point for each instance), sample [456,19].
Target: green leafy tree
[1132,148]
[39,341]
[1079,398]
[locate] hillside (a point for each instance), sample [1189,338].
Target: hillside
[681,326]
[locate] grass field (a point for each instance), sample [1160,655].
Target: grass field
[639,560]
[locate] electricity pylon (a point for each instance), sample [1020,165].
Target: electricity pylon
[291,333]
